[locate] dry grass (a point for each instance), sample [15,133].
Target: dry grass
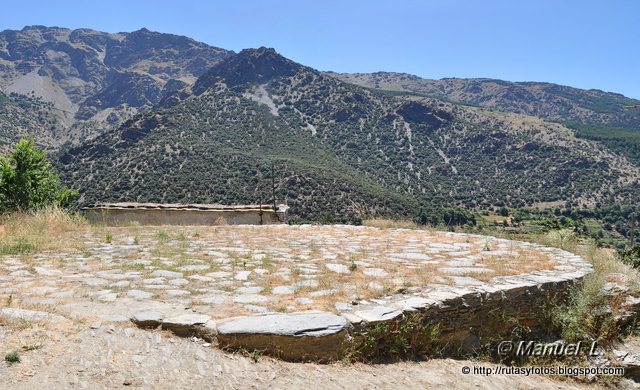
[582,317]
[43,230]
[25,337]
[391,224]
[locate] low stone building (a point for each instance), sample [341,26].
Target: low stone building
[184,214]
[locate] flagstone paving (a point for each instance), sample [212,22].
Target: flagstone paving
[238,270]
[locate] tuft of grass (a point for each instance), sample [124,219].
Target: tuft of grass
[267,261]
[108,238]
[12,357]
[31,346]
[134,266]
[162,236]
[564,239]
[487,245]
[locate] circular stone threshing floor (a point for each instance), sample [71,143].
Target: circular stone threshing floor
[237,270]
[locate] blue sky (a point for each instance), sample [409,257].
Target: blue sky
[586,44]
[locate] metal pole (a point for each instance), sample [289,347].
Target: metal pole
[632,228]
[273,187]
[259,190]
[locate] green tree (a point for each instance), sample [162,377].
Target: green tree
[29,182]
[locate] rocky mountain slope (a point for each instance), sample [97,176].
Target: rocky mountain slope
[338,147]
[544,100]
[21,116]
[592,114]
[95,79]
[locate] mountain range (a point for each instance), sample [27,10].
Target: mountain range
[95,79]
[145,116]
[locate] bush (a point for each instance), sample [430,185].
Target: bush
[325,218]
[28,181]
[12,357]
[590,313]
[587,315]
[630,255]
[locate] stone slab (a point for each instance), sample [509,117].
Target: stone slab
[295,337]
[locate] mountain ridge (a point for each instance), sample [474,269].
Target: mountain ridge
[215,134]
[95,77]
[419,149]
[527,97]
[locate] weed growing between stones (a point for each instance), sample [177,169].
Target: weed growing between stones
[406,338]
[162,236]
[254,355]
[487,245]
[133,266]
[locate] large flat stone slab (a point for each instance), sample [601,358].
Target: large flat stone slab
[379,314]
[296,337]
[167,274]
[297,325]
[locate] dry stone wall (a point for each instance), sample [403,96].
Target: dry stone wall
[114,214]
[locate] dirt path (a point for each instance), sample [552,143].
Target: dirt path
[73,355]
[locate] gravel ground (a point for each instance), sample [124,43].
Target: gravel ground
[75,354]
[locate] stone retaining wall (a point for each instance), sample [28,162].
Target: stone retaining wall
[469,317]
[466,317]
[113,214]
